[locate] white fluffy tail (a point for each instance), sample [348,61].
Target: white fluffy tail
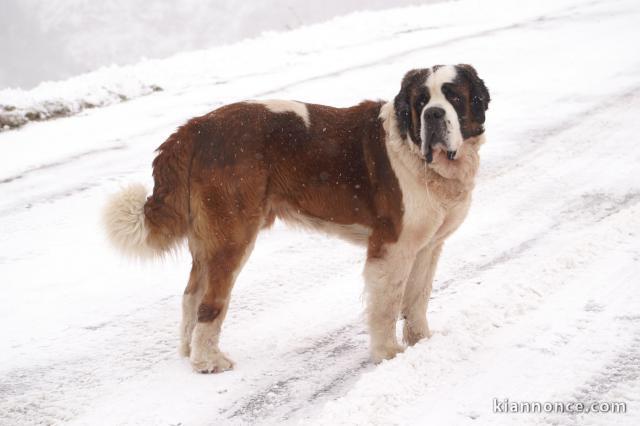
[124,221]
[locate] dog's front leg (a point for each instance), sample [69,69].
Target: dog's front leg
[417,293]
[385,279]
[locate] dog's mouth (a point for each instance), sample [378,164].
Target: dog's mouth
[451,155]
[429,154]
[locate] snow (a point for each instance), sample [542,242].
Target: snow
[536,296]
[60,99]
[76,36]
[272,54]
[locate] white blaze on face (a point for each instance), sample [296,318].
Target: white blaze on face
[442,75]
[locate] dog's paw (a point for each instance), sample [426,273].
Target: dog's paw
[412,335]
[380,353]
[216,362]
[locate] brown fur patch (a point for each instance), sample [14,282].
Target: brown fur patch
[207,313]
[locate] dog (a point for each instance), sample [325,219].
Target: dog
[395,177]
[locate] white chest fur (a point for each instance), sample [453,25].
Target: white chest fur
[429,212]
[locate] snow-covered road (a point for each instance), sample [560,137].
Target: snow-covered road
[537,297]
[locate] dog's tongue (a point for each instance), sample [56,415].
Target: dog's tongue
[451,155]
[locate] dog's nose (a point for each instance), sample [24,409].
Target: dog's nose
[434,113]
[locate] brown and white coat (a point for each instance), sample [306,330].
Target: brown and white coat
[393,176]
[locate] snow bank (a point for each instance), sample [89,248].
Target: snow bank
[59,99]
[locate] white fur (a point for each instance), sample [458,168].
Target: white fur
[279,106]
[436,79]
[190,302]
[421,214]
[124,221]
[205,354]
[385,279]
[416,294]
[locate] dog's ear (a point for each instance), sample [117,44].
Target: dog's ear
[402,103]
[479,93]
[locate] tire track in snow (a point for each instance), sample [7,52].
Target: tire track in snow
[536,141]
[61,163]
[313,379]
[617,377]
[41,393]
[589,207]
[624,368]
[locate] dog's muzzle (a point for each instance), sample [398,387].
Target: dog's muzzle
[436,132]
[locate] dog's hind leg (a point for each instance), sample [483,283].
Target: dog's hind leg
[417,293]
[221,241]
[222,268]
[190,301]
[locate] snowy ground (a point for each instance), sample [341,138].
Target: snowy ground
[537,295]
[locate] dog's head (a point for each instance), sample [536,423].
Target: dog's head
[441,107]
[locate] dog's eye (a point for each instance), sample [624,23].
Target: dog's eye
[421,102]
[451,95]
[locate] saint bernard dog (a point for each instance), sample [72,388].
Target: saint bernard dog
[395,177]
